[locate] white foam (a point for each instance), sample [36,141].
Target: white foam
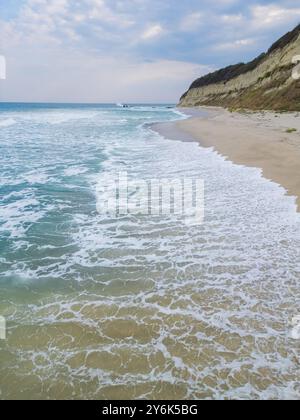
[74,171]
[16,217]
[230,282]
[295,332]
[7,122]
[36,177]
[59,117]
[180,114]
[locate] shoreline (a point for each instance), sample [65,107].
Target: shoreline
[264,140]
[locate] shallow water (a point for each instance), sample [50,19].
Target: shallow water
[139,306]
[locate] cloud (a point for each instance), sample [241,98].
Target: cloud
[234,45]
[191,22]
[232,19]
[64,76]
[57,47]
[272,15]
[152,32]
[98,10]
[254,28]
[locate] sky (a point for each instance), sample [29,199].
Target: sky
[129,50]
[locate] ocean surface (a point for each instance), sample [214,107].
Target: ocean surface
[139,306]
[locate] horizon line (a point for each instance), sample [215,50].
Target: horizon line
[85,103]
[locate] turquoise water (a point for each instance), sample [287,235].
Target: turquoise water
[51,159]
[139,306]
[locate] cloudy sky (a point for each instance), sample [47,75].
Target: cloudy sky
[129,50]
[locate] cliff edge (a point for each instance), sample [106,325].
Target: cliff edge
[264,83]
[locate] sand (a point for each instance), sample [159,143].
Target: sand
[257,139]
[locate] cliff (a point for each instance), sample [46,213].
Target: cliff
[264,83]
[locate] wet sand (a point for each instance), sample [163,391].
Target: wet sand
[264,140]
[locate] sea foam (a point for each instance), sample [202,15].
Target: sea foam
[141,306]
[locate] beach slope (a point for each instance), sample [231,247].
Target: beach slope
[239,127]
[266,140]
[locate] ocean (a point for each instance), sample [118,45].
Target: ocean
[101,306]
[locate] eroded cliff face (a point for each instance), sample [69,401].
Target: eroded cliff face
[264,83]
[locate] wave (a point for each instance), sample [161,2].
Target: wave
[149,292]
[7,122]
[74,171]
[180,113]
[19,216]
[61,117]
[36,177]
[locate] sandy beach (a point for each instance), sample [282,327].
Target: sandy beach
[266,140]
[105,306]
